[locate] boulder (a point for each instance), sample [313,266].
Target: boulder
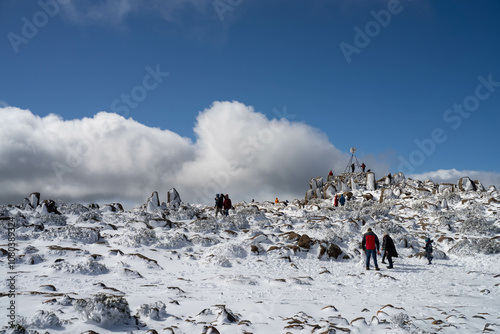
[334,251]
[48,206]
[370,181]
[398,178]
[446,188]
[26,204]
[466,184]
[34,200]
[304,241]
[310,194]
[368,196]
[479,185]
[353,184]
[316,182]
[153,202]
[173,198]
[348,195]
[329,191]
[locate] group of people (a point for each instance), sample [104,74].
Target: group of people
[353,167]
[222,204]
[371,246]
[339,200]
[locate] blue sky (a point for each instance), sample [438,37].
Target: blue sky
[378,75]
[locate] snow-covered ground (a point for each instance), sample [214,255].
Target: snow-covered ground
[266,268]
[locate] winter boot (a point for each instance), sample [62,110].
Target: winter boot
[377,268]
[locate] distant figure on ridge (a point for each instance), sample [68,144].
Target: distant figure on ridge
[428,250]
[371,247]
[389,177]
[342,200]
[219,203]
[363,166]
[352,167]
[276,201]
[227,204]
[330,176]
[389,249]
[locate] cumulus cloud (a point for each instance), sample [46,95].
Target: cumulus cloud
[109,158]
[452,175]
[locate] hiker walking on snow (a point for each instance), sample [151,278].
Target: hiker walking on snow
[371,247]
[227,204]
[219,203]
[389,249]
[342,200]
[428,250]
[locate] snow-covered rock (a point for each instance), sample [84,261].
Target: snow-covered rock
[153,202]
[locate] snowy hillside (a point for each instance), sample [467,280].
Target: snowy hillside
[292,267]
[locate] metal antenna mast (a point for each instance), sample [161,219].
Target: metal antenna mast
[352,161]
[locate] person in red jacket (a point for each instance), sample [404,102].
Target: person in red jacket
[371,246]
[227,204]
[336,200]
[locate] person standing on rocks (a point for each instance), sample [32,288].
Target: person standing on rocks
[428,250]
[336,200]
[363,166]
[371,247]
[227,204]
[389,249]
[219,203]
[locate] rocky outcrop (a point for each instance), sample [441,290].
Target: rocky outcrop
[153,202]
[466,184]
[173,198]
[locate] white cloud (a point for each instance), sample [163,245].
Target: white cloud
[109,158]
[452,176]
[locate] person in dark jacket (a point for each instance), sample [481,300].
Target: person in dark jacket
[227,204]
[219,203]
[363,166]
[428,250]
[342,200]
[371,247]
[389,249]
